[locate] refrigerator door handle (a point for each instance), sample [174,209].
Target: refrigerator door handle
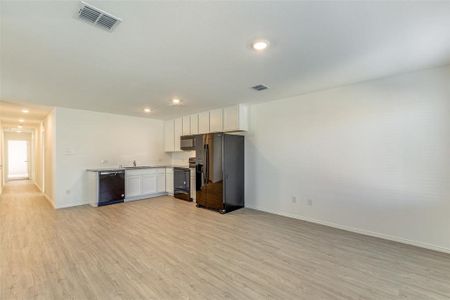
[206,165]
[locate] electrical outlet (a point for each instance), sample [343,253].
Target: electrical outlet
[294,199]
[103,161]
[309,202]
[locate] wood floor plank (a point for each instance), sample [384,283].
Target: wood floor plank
[163,248]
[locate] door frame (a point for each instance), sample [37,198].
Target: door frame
[13,136]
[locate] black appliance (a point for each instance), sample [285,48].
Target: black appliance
[111,187]
[187,142]
[192,162]
[219,171]
[182,183]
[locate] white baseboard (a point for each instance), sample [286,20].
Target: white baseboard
[359,231]
[44,194]
[37,185]
[49,200]
[39,188]
[143,197]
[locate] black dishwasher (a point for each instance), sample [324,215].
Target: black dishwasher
[182,183]
[111,187]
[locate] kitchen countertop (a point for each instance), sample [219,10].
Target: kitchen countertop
[112,169]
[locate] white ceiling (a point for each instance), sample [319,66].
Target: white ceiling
[199,51]
[11,113]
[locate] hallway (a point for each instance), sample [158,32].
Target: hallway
[26,224]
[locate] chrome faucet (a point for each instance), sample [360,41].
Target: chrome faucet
[134,163]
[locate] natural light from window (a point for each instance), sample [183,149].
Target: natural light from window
[17,159]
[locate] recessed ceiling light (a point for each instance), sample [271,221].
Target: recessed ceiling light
[21,120]
[147,110]
[260,45]
[25,111]
[176,101]
[20,126]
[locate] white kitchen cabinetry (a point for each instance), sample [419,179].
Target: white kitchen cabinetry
[148,184]
[194,124]
[178,133]
[230,119]
[186,125]
[169,136]
[169,181]
[216,120]
[161,180]
[235,118]
[144,183]
[203,122]
[132,185]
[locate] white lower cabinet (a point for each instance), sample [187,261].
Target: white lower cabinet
[161,183]
[169,181]
[149,184]
[132,185]
[144,183]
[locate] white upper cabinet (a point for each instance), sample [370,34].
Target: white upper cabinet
[229,119]
[186,125]
[194,124]
[169,136]
[178,133]
[216,120]
[235,118]
[203,122]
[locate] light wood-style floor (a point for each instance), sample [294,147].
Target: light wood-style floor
[165,248]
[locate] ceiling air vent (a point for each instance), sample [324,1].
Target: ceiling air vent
[97,16]
[259,87]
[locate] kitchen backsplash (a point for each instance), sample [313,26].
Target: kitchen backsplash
[182,158]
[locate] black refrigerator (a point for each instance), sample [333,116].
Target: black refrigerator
[219,167]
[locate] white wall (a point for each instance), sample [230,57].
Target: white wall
[181,158]
[372,157]
[49,156]
[84,139]
[39,160]
[2,167]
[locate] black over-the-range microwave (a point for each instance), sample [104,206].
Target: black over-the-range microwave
[187,142]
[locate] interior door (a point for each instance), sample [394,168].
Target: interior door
[18,159]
